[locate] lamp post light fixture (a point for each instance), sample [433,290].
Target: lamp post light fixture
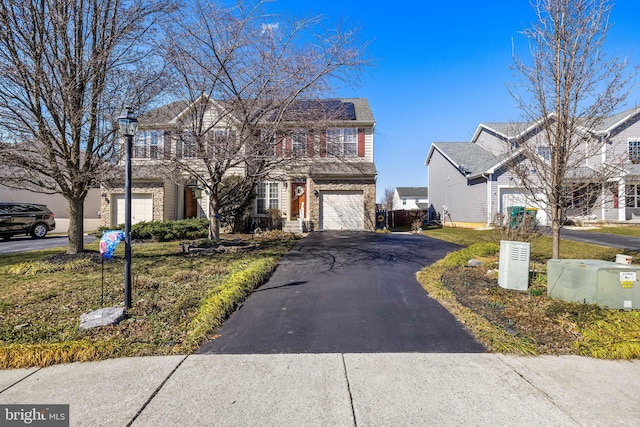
[128,123]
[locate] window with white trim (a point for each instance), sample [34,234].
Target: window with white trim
[221,143]
[148,144]
[634,151]
[632,196]
[544,151]
[299,143]
[267,197]
[342,142]
[188,146]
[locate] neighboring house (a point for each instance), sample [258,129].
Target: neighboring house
[410,198]
[470,182]
[58,205]
[322,192]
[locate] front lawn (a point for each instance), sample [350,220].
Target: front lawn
[178,298]
[527,323]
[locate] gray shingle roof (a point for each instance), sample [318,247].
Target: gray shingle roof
[359,106]
[616,118]
[337,169]
[468,156]
[513,129]
[413,192]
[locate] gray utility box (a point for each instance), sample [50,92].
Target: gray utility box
[594,281]
[513,269]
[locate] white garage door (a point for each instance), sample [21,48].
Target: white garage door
[141,208]
[516,197]
[341,211]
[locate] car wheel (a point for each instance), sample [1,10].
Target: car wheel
[39,231]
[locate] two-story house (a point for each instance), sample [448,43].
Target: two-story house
[471,183]
[326,181]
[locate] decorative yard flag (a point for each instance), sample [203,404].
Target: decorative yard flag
[109,242]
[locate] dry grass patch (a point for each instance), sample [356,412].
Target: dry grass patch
[39,313]
[529,322]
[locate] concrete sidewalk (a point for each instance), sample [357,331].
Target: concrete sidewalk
[336,390]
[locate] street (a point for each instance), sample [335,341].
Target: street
[25,243]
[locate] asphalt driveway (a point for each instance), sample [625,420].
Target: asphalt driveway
[347,292]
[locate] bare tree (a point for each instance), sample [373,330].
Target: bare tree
[387,199]
[249,79]
[570,88]
[66,70]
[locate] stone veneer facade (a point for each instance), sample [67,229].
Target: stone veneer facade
[367,188]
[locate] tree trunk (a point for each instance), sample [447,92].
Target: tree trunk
[556,224]
[76,226]
[214,218]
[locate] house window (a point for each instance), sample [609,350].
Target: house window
[632,196]
[342,142]
[634,151]
[404,202]
[266,145]
[148,144]
[544,152]
[299,142]
[221,143]
[189,146]
[267,197]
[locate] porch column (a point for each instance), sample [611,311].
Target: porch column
[622,201]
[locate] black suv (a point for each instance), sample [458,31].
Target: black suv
[25,218]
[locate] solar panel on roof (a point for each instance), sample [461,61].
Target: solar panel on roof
[320,110]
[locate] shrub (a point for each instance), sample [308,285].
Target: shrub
[163,231]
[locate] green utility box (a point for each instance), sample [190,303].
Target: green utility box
[517,215]
[591,281]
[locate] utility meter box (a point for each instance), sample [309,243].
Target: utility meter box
[591,281]
[513,270]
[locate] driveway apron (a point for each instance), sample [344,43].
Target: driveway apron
[347,292]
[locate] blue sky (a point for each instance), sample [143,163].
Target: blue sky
[441,68]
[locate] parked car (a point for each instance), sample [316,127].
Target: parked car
[25,218]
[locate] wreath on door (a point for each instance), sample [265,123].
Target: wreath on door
[299,191]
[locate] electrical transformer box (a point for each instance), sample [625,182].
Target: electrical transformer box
[513,268]
[590,281]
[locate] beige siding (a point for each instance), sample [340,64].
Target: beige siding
[170,200]
[368,145]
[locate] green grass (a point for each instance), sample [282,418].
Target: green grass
[540,246]
[631,230]
[178,299]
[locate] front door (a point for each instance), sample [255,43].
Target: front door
[298,198]
[190,203]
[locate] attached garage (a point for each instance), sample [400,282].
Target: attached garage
[141,208]
[516,197]
[341,210]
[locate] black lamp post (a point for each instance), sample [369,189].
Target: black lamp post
[128,123]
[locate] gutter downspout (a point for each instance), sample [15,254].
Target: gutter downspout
[489,204]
